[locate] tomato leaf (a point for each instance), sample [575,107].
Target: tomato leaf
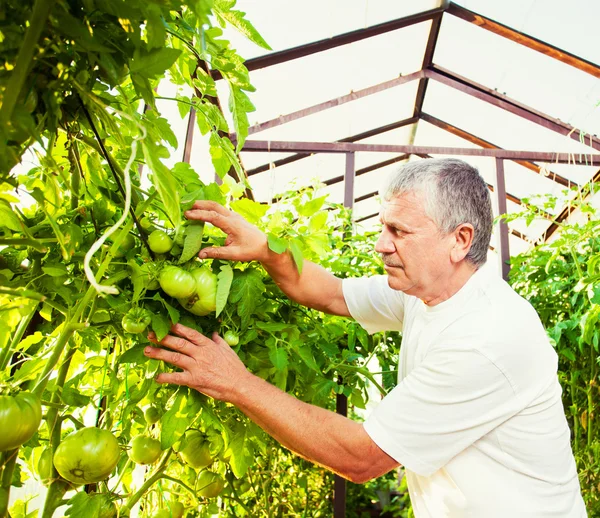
[246,291]
[277,244]
[154,63]
[192,241]
[252,211]
[225,277]
[83,505]
[224,13]
[307,356]
[173,423]
[134,354]
[297,254]
[8,218]
[278,357]
[240,450]
[160,325]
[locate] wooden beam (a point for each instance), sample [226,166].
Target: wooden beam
[524,39]
[502,101]
[488,145]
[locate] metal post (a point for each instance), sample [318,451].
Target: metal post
[189,136]
[503,249]
[341,402]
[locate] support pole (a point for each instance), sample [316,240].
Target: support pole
[341,403]
[503,250]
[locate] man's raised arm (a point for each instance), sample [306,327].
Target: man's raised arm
[315,288]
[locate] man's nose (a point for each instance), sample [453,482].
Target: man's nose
[384,244]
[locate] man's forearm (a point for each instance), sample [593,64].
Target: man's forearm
[316,434]
[315,287]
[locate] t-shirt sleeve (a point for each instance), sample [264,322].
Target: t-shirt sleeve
[455,397]
[373,304]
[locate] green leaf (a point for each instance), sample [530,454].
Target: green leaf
[166,186]
[160,325]
[310,207]
[240,456]
[277,244]
[205,83]
[173,423]
[239,106]
[306,355]
[153,63]
[252,211]
[155,27]
[247,289]
[278,357]
[318,221]
[55,270]
[223,12]
[297,254]
[143,88]
[192,241]
[8,218]
[225,278]
[220,159]
[134,354]
[174,314]
[596,298]
[83,505]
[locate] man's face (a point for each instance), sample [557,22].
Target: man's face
[415,253]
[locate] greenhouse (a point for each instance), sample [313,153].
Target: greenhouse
[266,259]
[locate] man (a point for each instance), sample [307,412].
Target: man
[476,418]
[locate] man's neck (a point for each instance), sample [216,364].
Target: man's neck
[451,285]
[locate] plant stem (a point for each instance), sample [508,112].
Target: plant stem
[182,484]
[7,474]
[19,332]
[32,243]
[75,174]
[157,475]
[41,10]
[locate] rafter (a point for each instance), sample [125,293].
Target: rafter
[524,39]
[488,145]
[502,101]
[275,58]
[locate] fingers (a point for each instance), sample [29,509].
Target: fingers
[220,252]
[178,378]
[212,212]
[173,342]
[190,334]
[211,205]
[218,340]
[177,359]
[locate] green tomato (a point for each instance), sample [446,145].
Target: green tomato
[136,320]
[107,508]
[152,415]
[127,244]
[87,455]
[204,300]
[231,338]
[144,450]
[196,450]
[176,282]
[20,417]
[44,466]
[209,484]
[146,224]
[173,510]
[160,242]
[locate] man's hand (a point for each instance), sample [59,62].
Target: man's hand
[244,241]
[209,366]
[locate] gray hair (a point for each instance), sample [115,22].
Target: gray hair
[455,193]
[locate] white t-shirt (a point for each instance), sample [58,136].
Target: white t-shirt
[476,418]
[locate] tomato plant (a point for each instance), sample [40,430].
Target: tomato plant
[160,242]
[231,338]
[204,299]
[196,450]
[20,417]
[136,320]
[144,450]
[87,455]
[176,282]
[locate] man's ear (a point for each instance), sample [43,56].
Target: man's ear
[463,235]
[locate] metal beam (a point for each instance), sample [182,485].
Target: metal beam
[368,169]
[332,103]
[349,180]
[488,145]
[346,147]
[353,138]
[189,136]
[524,39]
[434,32]
[502,101]
[275,58]
[502,225]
